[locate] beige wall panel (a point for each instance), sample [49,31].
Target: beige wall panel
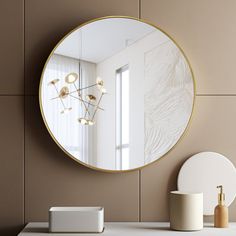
[11,167]
[205,29]
[11,41]
[54,179]
[47,21]
[212,128]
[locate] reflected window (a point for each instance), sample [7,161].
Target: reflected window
[122,118]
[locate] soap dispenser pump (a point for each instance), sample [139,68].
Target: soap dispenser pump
[221,211]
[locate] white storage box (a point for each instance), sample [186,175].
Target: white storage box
[76,219]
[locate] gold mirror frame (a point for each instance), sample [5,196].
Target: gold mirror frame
[40,100]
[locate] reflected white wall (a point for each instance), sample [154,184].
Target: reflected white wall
[168,99]
[134,56]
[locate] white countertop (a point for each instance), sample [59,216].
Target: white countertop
[132,229]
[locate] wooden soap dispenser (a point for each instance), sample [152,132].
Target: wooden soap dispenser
[221,211]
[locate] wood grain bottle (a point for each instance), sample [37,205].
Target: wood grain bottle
[221,211]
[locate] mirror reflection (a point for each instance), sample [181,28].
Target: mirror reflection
[116,94]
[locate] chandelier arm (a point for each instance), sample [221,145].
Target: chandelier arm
[55,98]
[100,108]
[78,90]
[86,108]
[97,106]
[59,96]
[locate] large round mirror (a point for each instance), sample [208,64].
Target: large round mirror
[116,93]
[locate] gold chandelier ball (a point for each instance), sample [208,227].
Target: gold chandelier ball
[53,82]
[91,97]
[100,84]
[66,110]
[103,90]
[71,78]
[64,92]
[90,122]
[84,121]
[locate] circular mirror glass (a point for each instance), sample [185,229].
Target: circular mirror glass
[116,93]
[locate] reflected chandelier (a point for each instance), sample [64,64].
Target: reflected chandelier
[89,103]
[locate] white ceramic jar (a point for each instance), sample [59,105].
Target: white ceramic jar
[186,211]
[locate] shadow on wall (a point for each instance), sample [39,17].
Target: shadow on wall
[10,230]
[38,56]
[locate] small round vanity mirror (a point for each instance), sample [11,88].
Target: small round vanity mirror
[116,93]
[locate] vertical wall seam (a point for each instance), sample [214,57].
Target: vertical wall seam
[140,209]
[139,172]
[24,112]
[139,9]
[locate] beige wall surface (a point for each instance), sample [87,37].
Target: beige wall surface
[35,174]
